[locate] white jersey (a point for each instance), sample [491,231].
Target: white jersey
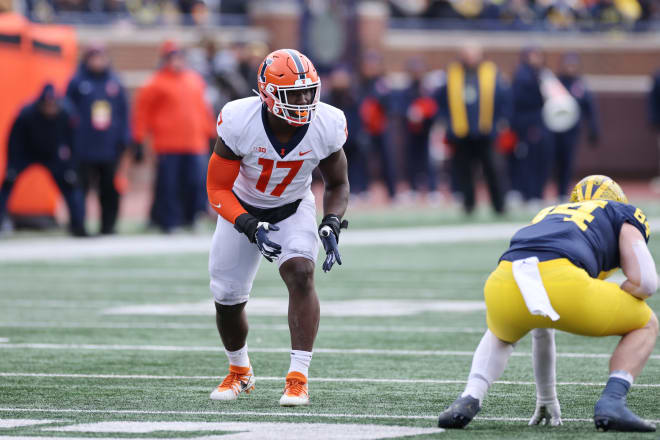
[273,174]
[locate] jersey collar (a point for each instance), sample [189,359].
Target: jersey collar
[282,149]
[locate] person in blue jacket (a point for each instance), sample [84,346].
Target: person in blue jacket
[43,133]
[566,142]
[103,130]
[531,161]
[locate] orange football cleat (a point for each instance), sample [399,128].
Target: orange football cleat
[295,390]
[239,379]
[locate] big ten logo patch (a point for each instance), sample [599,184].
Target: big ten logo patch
[259,150]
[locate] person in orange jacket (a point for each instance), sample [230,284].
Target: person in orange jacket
[171,110]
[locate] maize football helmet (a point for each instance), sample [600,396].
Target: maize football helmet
[281,73]
[598,187]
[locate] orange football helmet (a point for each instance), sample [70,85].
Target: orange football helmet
[285,71]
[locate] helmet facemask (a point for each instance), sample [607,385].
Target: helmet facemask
[294,114]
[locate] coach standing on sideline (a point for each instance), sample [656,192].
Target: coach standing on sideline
[474,102]
[171,110]
[103,131]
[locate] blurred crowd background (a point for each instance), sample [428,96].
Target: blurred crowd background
[112,104]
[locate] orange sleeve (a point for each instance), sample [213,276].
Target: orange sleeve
[219,183]
[142,112]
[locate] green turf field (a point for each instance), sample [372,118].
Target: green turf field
[67,327]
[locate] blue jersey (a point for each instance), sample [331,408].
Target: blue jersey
[586,233]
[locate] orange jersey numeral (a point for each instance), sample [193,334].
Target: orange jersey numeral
[267,164]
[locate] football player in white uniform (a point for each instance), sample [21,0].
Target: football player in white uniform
[259,182]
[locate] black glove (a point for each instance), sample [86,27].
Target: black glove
[257,233]
[138,152]
[329,230]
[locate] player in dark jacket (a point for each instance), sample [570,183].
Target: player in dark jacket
[103,130]
[552,277]
[43,133]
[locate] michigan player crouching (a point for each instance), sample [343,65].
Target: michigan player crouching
[551,278]
[259,182]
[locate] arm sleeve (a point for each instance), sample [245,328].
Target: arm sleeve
[219,183]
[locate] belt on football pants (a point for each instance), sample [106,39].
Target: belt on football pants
[271,215]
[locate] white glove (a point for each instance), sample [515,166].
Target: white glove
[549,413]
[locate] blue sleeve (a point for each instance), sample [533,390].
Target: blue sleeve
[72,90]
[124,125]
[17,135]
[629,214]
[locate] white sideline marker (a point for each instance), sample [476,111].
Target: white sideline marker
[280,307]
[312,379]
[256,430]
[365,351]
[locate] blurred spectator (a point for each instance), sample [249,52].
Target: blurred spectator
[654,101]
[474,102]
[43,133]
[530,162]
[566,142]
[220,70]
[343,96]
[374,108]
[171,110]
[103,132]
[654,108]
[420,110]
[249,58]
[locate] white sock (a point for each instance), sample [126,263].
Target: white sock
[239,358]
[488,364]
[622,374]
[300,361]
[544,360]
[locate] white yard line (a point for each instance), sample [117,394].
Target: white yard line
[269,327]
[312,379]
[270,414]
[63,248]
[368,351]
[17,423]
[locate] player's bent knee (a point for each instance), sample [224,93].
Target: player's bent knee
[227,294]
[298,274]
